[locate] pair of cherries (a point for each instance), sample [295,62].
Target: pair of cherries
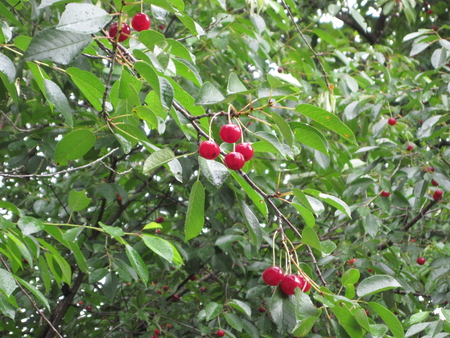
[140,22]
[288,283]
[235,160]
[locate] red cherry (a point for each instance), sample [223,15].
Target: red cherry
[434,183]
[89,308]
[304,285]
[230,133]
[273,275]
[158,231]
[154,336]
[194,277]
[410,147]
[161,26]
[220,333]
[370,270]
[234,160]
[261,309]
[203,289]
[421,261]
[140,22]
[392,121]
[157,332]
[413,240]
[367,312]
[245,149]
[128,284]
[289,283]
[429,169]
[385,194]
[80,302]
[175,298]
[125,31]
[25,261]
[165,288]
[438,194]
[352,261]
[159,219]
[158,291]
[209,150]
[429,12]
[396,15]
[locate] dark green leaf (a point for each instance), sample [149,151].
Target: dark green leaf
[195,215]
[57,98]
[390,319]
[209,94]
[74,145]
[137,263]
[215,172]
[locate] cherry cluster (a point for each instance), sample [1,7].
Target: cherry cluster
[288,283]
[140,22]
[235,160]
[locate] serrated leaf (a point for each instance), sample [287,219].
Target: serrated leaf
[78,200]
[439,58]
[113,231]
[208,94]
[235,85]
[7,282]
[375,284]
[309,237]
[327,120]
[390,319]
[252,224]
[137,263]
[195,215]
[74,145]
[56,97]
[214,171]
[89,84]
[7,67]
[159,246]
[83,18]
[212,310]
[58,46]
[157,159]
[6,308]
[30,225]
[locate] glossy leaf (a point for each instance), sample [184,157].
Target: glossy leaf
[159,246]
[7,68]
[7,282]
[157,159]
[89,84]
[137,263]
[375,284]
[74,145]
[252,224]
[389,318]
[195,215]
[57,98]
[83,18]
[30,225]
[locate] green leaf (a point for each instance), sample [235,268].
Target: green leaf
[89,84]
[74,145]
[439,58]
[7,67]
[56,97]
[57,46]
[151,38]
[241,306]
[113,231]
[252,224]
[212,310]
[6,308]
[137,263]
[7,282]
[348,321]
[83,18]
[418,48]
[390,319]
[195,215]
[190,24]
[309,237]
[302,198]
[235,85]
[284,128]
[283,309]
[327,247]
[273,141]
[157,159]
[78,200]
[375,284]
[350,277]
[309,136]
[38,294]
[159,246]
[152,225]
[7,13]
[214,171]
[234,320]
[358,18]
[257,200]
[208,94]
[331,200]
[325,36]
[6,224]
[307,215]
[188,71]
[327,120]
[62,263]
[30,225]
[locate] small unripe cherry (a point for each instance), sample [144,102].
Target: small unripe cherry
[234,160]
[246,150]
[385,194]
[193,277]
[89,308]
[209,150]
[230,133]
[392,121]
[165,288]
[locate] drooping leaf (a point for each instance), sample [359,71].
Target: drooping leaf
[159,246]
[212,310]
[309,136]
[38,294]
[331,200]
[284,128]
[113,231]
[375,284]
[7,282]
[7,67]
[252,224]
[195,215]
[56,97]
[209,94]
[137,262]
[215,172]
[390,319]
[309,237]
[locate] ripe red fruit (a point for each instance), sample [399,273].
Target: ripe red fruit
[289,283]
[234,160]
[246,150]
[128,284]
[159,219]
[220,333]
[370,270]
[273,275]
[352,261]
[165,288]
[410,147]
[154,336]
[25,261]
[194,277]
[429,12]
[140,22]
[434,183]
[429,169]
[158,231]
[392,121]
[158,291]
[396,15]
[412,240]
[385,194]
[157,332]
[304,285]
[367,312]
[209,150]
[124,34]
[421,261]
[169,326]
[80,302]
[89,308]
[261,309]
[203,289]
[175,298]
[438,194]
[230,133]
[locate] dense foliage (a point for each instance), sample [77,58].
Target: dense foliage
[112,225]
